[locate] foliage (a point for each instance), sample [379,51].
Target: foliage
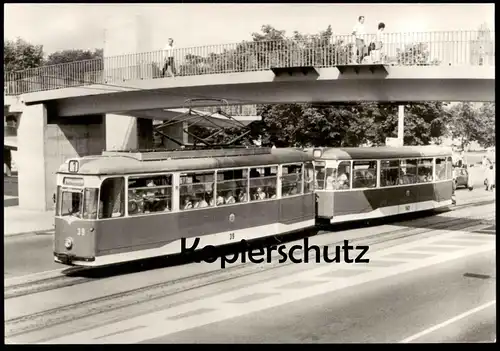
[324,124]
[21,60]
[19,55]
[468,124]
[67,56]
[305,125]
[486,137]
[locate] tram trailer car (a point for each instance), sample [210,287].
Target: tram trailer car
[120,207]
[366,183]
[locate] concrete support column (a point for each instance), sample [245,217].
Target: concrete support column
[31,158]
[175,131]
[44,143]
[401,123]
[125,132]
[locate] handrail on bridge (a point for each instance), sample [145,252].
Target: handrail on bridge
[456,48]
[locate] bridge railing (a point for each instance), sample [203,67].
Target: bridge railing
[455,48]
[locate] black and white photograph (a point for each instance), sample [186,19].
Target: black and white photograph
[249,173]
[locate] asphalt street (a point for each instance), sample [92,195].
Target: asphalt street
[28,253]
[389,310]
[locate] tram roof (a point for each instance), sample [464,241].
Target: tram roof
[383,152]
[122,164]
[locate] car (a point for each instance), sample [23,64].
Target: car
[461,178]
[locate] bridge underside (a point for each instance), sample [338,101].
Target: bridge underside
[287,92]
[293,85]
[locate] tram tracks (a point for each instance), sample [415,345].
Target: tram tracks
[115,304]
[71,277]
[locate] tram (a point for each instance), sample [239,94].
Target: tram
[125,206]
[365,183]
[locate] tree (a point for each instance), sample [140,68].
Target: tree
[67,56]
[485,136]
[88,70]
[468,124]
[19,55]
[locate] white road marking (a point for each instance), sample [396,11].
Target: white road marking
[8,197]
[448,322]
[265,295]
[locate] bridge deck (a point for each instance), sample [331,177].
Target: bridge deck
[452,48]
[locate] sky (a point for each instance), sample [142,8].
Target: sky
[82,26]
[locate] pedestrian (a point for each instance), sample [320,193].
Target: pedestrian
[168,59]
[378,44]
[359,33]
[490,178]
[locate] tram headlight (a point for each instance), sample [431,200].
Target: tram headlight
[317,153]
[68,243]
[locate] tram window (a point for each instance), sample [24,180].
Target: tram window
[449,168]
[291,180]
[338,178]
[112,198]
[148,194]
[424,170]
[232,186]
[320,176]
[364,174]
[440,168]
[196,190]
[407,172]
[90,199]
[263,182]
[71,203]
[308,178]
[389,173]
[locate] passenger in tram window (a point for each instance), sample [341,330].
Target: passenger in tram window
[242,195]
[211,200]
[230,198]
[320,179]
[260,194]
[330,179]
[203,201]
[220,200]
[187,203]
[343,181]
[196,201]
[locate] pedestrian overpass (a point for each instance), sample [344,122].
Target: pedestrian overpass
[82,108]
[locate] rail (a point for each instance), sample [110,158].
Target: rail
[455,48]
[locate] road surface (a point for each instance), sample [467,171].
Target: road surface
[438,288]
[402,307]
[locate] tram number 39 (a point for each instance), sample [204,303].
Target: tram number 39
[231,236]
[80,231]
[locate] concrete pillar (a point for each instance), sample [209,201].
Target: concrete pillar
[44,143]
[126,133]
[31,158]
[175,131]
[401,123]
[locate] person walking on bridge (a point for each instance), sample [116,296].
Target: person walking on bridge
[168,59]
[359,33]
